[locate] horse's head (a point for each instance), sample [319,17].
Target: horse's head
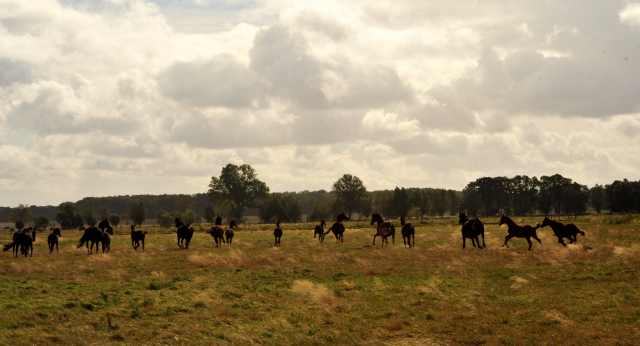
[545,222]
[233,223]
[462,217]
[278,223]
[178,222]
[109,230]
[322,223]
[103,224]
[341,217]
[133,227]
[56,231]
[375,217]
[402,220]
[503,219]
[219,220]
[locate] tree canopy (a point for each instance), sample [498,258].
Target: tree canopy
[349,192]
[238,188]
[138,213]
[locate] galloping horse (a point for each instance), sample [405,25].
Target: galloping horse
[277,233]
[94,235]
[385,229]
[338,228]
[569,231]
[408,232]
[137,237]
[24,240]
[185,232]
[319,230]
[471,228]
[230,233]
[217,232]
[52,239]
[526,231]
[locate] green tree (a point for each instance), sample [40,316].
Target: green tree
[320,210]
[349,192]
[103,213]
[114,220]
[399,203]
[41,223]
[209,215]
[237,186]
[188,216]
[89,218]
[19,224]
[440,200]
[21,212]
[598,197]
[138,213]
[470,200]
[69,216]
[185,203]
[125,218]
[164,219]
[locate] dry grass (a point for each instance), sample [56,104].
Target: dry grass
[310,293]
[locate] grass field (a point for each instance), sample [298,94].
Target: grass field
[306,293]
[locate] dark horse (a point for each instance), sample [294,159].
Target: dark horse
[408,232]
[106,240]
[384,229]
[319,230]
[137,237]
[277,233]
[337,228]
[526,231]
[24,240]
[185,232]
[95,235]
[217,232]
[52,239]
[471,228]
[230,233]
[569,231]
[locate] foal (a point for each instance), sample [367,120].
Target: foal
[569,231]
[217,232]
[471,228]
[277,233]
[319,230]
[408,232]
[137,237]
[338,228]
[229,233]
[52,239]
[384,229]
[526,231]
[185,232]
[106,240]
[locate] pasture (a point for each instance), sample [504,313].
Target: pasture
[306,293]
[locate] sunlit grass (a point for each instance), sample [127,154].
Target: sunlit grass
[309,293]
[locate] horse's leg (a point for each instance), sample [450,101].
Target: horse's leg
[561,242]
[506,239]
[142,244]
[478,241]
[537,239]
[374,239]
[57,248]
[529,241]
[413,236]
[464,241]
[393,239]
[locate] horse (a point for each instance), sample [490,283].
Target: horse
[319,230]
[408,232]
[22,239]
[471,228]
[526,231]
[338,228]
[217,232]
[95,235]
[229,233]
[384,229]
[569,231]
[106,240]
[277,233]
[185,232]
[137,237]
[52,239]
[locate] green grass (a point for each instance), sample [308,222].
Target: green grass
[305,293]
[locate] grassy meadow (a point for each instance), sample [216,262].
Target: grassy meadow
[306,293]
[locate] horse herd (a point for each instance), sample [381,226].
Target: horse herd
[471,228]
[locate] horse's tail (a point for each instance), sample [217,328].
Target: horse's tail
[82,240]
[579,231]
[145,232]
[8,246]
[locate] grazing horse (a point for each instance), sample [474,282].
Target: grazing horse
[471,228]
[526,231]
[229,233]
[24,240]
[408,232]
[384,229]
[106,240]
[277,233]
[569,231]
[185,232]
[52,239]
[319,230]
[137,237]
[338,228]
[95,235]
[217,232]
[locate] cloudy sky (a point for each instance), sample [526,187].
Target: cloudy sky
[112,97]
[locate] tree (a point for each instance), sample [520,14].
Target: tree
[237,186]
[440,201]
[138,213]
[21,212]
[185,203]
[209,215]
[399,203]
[69,215]
[349,192]
[103,213]
[164,219]
[470,200]
[41,223]
[114,220]
[125,218]
[89,218]
[19,224]
[188,216]
[320,210]
[598,197]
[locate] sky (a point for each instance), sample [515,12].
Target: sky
[122,97]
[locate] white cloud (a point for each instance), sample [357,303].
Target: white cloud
[630,15]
